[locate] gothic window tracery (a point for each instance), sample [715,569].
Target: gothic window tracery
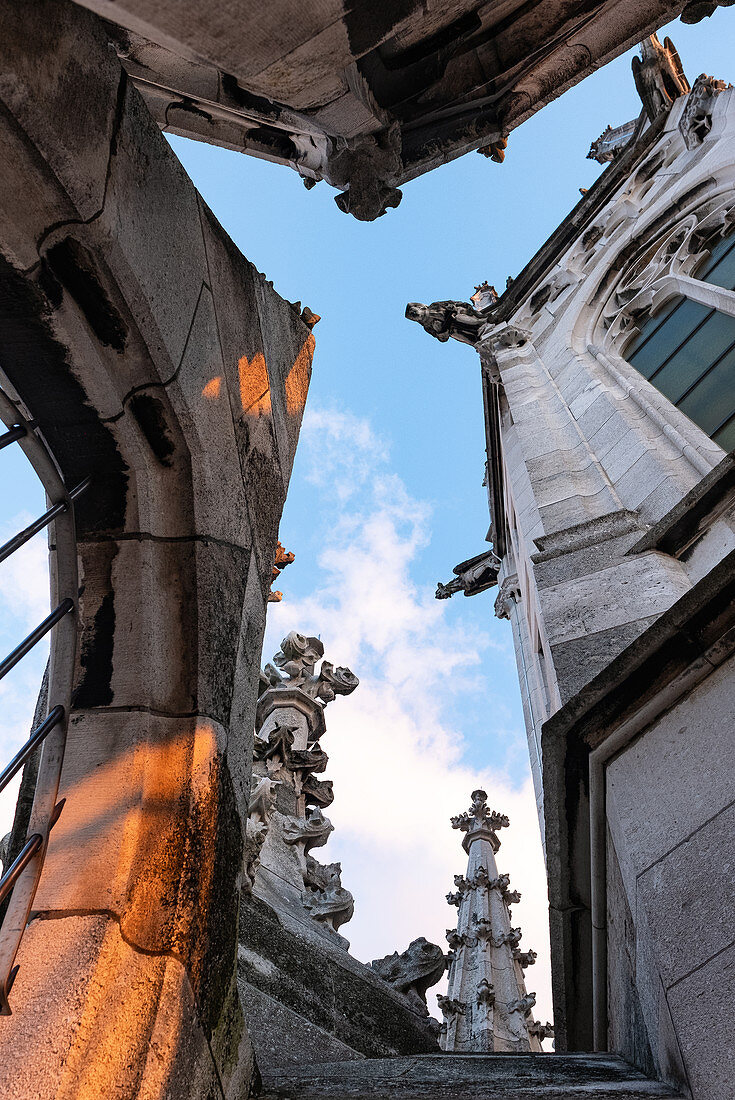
[687,349]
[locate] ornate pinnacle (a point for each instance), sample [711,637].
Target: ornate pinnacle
[480,822]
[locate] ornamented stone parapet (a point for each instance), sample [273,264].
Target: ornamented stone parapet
[413,971]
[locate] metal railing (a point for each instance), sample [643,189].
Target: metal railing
[20,880]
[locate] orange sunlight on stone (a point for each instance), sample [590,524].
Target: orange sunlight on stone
[211,390]
[297,379]
[255,393]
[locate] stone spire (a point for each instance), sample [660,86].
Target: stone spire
[288,799]
[486,1008]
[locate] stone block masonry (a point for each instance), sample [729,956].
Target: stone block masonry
[156,359]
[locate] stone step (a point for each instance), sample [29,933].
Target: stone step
[468,1077]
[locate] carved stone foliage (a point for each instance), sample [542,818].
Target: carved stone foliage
[294,666]
[313,830]
[413,971]
[677,251]
[485,993]
[472,576]
[261,806]
[480,819]
[659,76]
[696,120]
[525,958]
[449,1006]
[282,559]
[541,1031]
[523,1004]
[325,898]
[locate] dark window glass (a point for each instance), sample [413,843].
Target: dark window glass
[667,338]
[719,268]
[725,436]
[712,399]
[688,352]
[703,348]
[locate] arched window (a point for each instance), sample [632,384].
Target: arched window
[687,350]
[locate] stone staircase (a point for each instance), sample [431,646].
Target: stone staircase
[467,1077]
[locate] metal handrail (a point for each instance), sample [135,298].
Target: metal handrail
[35,636]
[19,884]
[16,432]
[37,737]
[43,521]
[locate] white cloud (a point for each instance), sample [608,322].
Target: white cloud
[24,585]
[397,755]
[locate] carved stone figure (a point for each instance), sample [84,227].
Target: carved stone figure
[472,576]
[459,320]
[262,798]
[696,120]
[611,143]
[325,898]
[312,831]
[255,834]
[297,658]
[659,76]
[508,594]
[414,971]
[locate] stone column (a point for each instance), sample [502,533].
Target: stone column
[487,1008]
[288,798]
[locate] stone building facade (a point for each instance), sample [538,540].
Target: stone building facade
[608,375]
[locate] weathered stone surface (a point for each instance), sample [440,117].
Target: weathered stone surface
[486,1077]
[325,986]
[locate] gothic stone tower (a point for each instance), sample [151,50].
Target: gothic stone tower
[607,373]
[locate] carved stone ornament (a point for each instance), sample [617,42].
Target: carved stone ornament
[523,1004]
[485,993]
[541,1031]
[679,250]
[442,320]
[472,576]
[479,821]
[325,898]
[611,142]
[297,660]
[696,120]
[313,830]
[509,593]
[412,972]
[659,76]
[282,559]
[450,1007]
[262,798]
[255,834]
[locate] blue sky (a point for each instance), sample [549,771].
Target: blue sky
[387,495]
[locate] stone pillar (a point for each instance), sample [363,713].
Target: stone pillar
[486,1008]
[288,798]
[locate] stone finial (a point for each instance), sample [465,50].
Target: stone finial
[479,821]
[413,971]
[472,576]
[294,666]
[659,76]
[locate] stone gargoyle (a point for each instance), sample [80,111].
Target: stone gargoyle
[442,320]
[472,576]
[413,971]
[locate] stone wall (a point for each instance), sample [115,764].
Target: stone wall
[156,359]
